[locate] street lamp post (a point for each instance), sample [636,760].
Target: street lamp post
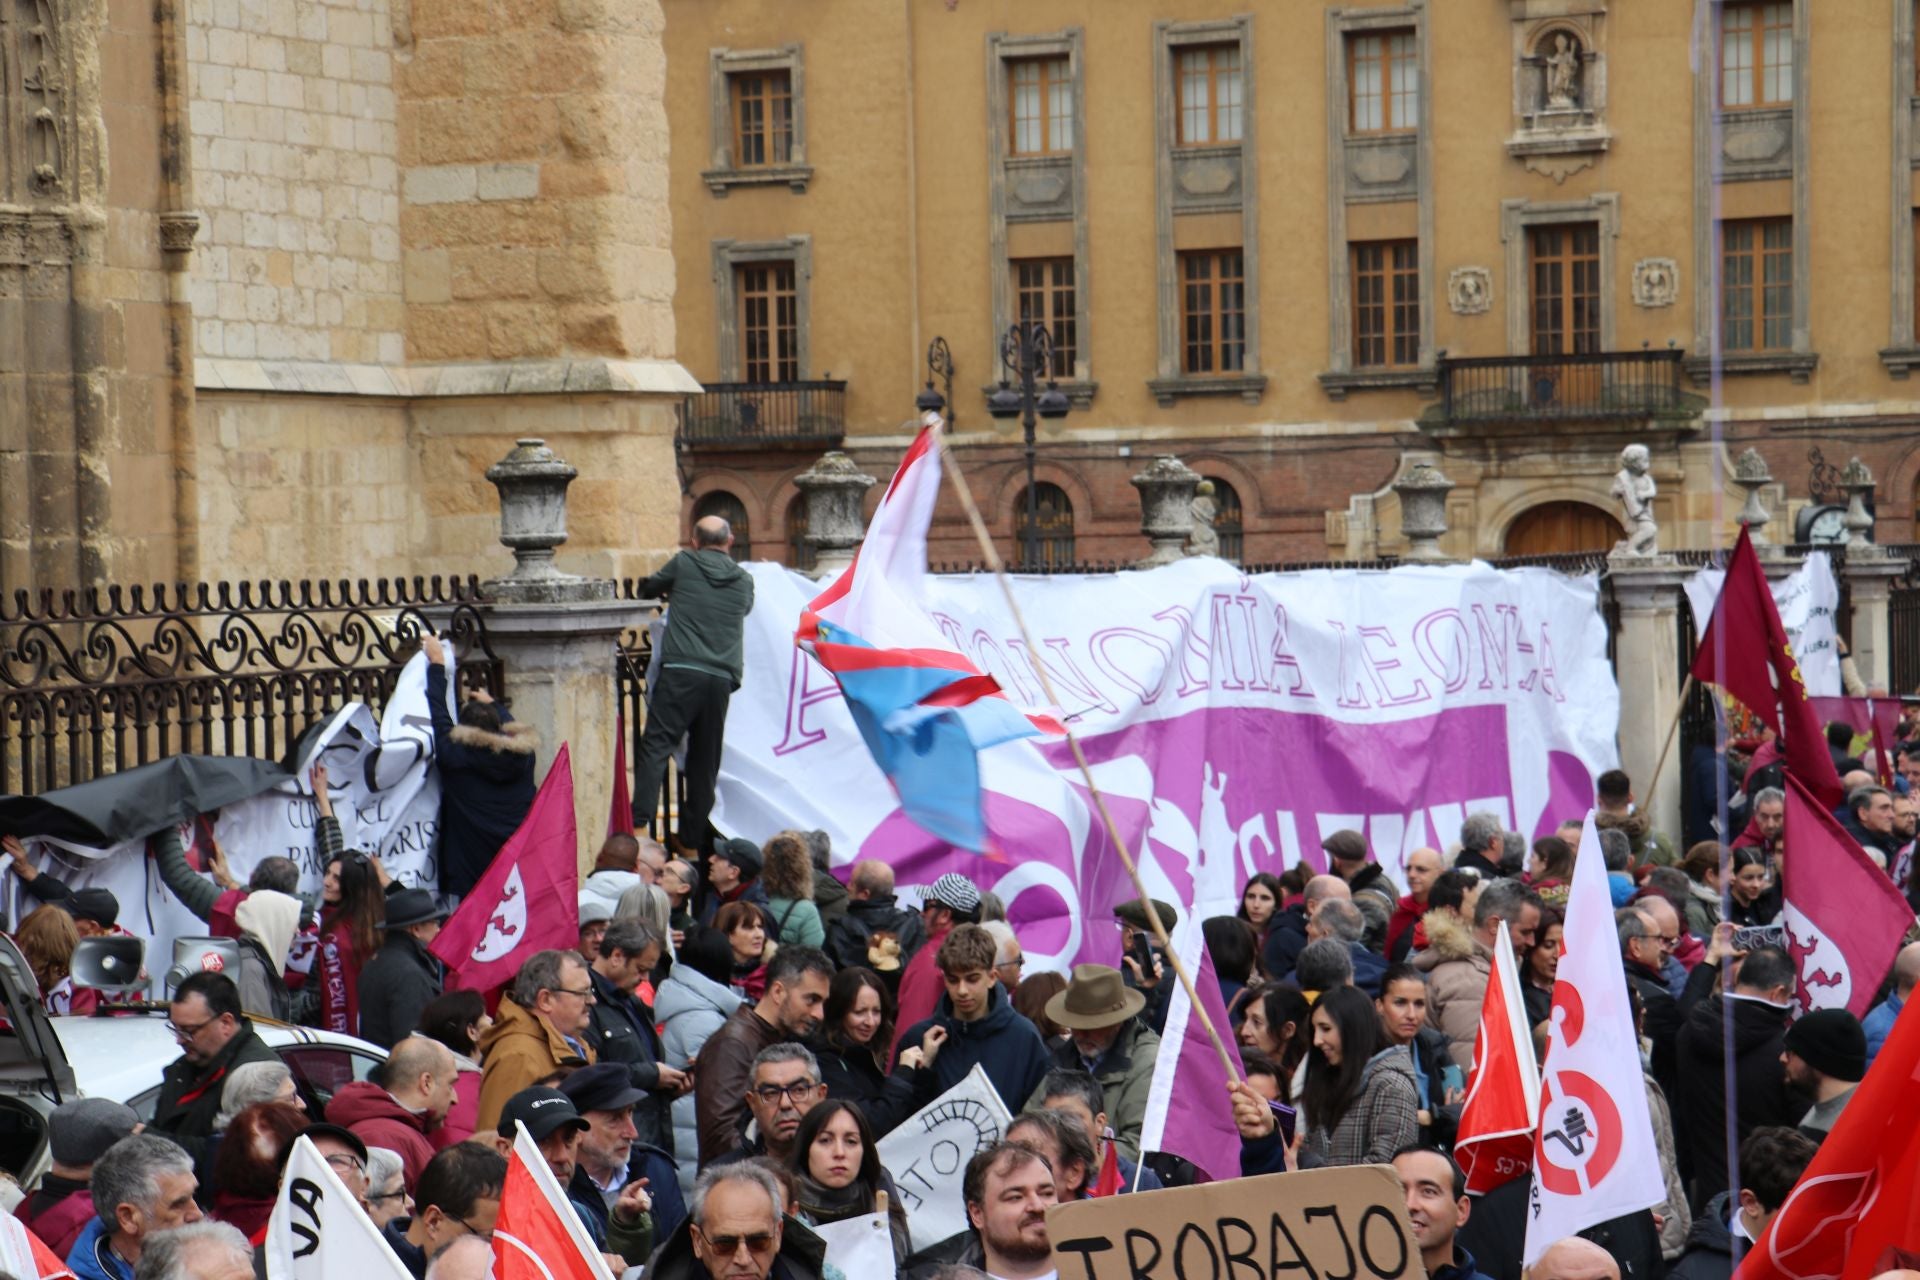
[1026,355]
[939,365]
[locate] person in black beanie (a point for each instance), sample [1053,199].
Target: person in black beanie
[1826,1056]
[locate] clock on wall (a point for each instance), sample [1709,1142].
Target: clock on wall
[1824,524]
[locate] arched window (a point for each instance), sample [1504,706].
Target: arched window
[734,512]
[1227,520]
[1562,528]
[799,551]
[1053,531]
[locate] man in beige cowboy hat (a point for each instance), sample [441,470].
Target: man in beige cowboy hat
[1108,1040]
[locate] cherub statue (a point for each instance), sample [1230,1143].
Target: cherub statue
[1203,540]
[1635,488]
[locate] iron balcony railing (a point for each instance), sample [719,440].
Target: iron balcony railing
[1594,386]
[759,414]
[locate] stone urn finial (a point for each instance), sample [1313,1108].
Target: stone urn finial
[834,489]
[1166,488]
[1857,479]
[1750,473]
[533,481]
[1423,494]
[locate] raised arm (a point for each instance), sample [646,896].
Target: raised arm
[195,891]
[35,881]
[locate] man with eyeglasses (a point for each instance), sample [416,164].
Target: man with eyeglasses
[736,1232]
[458,1195]
[344,1153]
[540,1033]
[215,1036]
[784,1086]
[791,1008]
[1643,948]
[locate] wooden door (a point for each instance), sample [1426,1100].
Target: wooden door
[1561,528]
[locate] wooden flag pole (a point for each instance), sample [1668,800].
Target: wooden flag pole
[1673,729]
[992,557]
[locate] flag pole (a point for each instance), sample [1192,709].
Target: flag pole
[992,557]
[1673,730]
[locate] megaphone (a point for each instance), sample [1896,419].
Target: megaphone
[203,955]
[110,962]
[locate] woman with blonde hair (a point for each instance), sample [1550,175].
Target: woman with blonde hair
[47,939]
[787,875]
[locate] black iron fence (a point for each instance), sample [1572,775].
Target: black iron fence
[1903,632]
[1596,385]
[733,415]
[630,692]
[96,681]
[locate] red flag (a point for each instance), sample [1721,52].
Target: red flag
[1843,916]
[1860,1197]
[24,1254]
[1744,650]
[1108,1183]
[620,816]
[528,900]
[1495,1142]
[537,1235]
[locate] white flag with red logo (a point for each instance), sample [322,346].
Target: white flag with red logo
[1594,1156]
[529,899]
[538,1236]
[1495,1142]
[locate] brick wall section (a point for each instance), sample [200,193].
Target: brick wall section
[533,140]
[295,130]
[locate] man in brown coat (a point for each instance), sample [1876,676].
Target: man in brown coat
[539,1033]
[1458,962]
[797,979]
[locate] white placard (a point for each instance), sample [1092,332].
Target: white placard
[927,1155]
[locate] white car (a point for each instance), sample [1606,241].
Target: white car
[46,1061]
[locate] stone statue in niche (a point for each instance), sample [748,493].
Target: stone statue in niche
[1470,290]
[1204,540]
[1563,74]
[1656,282]
[1634,487]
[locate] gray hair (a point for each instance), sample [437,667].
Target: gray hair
[1479,831]
[1632,925]
[248,1083]
[1502,898]
[785,1051]
[540,973]
[1003,941]
[130,1173]
[1769,795]
[820,849]
[992,907]
[280,874]
[1513,848]
[649,904]
[747,1172]
[1862,795]
[631,937]
[1341,919]
[1324,964]
[383,1166]
[1616,849]
[169,1255]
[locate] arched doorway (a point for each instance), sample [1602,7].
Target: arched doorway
[1562,528]
[729,508]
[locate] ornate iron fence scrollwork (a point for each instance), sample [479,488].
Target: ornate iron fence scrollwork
[630,680]
[95,681]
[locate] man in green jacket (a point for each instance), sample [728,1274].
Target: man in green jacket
[708,598]
[1108,1040]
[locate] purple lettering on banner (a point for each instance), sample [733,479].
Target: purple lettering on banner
[1283,658]
[807,685]
[1448,654]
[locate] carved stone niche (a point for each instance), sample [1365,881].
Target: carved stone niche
[38,156]
[1656,282]
[1559,92]
[1470,290]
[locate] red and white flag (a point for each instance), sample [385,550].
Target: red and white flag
[538,1236]
[1844,918]
[1594,1156]
[529,899]
[26,1255]
[1859,1201]
[1495,1142]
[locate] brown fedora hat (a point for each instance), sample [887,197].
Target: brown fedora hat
[1097,997]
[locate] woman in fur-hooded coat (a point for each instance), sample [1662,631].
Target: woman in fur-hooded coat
[486,780]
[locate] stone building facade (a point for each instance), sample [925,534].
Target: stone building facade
[279,279]
[1307,248]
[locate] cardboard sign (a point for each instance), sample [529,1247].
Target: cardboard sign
[1338,1224]
[928,1154]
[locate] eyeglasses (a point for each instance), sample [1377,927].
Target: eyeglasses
[772,1093]
[187,1033]
[585,993]
[401,1194]
[1667,940]
[757,1242]
[484,1235]
[345,1163]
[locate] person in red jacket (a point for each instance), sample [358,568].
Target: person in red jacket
[398,1111]
[78,1133]
[951,900]
[1423,868]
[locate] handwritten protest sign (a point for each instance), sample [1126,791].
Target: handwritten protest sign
[1349,1222]
[928,1154]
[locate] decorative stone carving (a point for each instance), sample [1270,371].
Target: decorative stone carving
[533,481]
[1857,480]
[1750,473]
[1040,188]
[1563,73]
[1559,96]
[1635,489]
[1469,290]
[834,489]
[1656,282]
[1208,178]
[1754,141]
[1423,511]
[41,88]
[1204,540]
[1380,166]
[1166,486]
[177,231]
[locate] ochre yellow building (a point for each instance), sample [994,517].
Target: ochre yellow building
[1303,247]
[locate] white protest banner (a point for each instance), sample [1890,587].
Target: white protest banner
[1232,721]
[318,1231]
[1349,1222]
[861,1246]
[1808,598]
[928,1154]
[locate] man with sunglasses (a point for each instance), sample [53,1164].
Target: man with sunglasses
[736,1232]
[214,1038]
[458,1195]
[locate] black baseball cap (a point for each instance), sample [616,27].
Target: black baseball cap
[540,1111]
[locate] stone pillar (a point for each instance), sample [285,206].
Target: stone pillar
[1166,508]
[555,633]
[1423,512]
[1870,574]
[1647,656]
[835,490]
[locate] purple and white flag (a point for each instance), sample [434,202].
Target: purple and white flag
[1188,1110]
